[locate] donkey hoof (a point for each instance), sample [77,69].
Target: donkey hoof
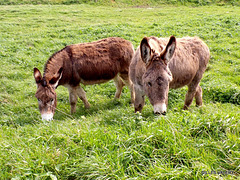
[87,106]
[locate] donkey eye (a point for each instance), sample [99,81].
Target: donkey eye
[39,100]
[149,84]
[51,101]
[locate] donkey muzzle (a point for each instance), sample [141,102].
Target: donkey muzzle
[160,108]
[47,116]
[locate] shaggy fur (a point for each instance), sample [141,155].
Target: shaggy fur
[86,63]
[189,60]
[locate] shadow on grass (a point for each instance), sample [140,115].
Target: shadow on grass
[95,107]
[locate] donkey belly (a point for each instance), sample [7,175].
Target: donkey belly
[94,74]
[91,82]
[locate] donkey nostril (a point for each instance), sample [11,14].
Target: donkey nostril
[164,113]
[158,113]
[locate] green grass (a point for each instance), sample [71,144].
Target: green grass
[109,141]
[117,3]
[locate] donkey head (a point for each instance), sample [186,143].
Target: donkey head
[46,95]
[157,77]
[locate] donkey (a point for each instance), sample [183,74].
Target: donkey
[87,63]
[160,64]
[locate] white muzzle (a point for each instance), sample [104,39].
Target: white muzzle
[160,108]
[47,116]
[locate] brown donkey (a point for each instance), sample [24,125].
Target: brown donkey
[87,63]
[160,64]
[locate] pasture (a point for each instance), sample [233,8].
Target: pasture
[110,141]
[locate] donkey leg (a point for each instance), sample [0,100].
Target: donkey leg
[192,90]
[189,98]
[119,85]
[82,95]
[132,92]
[198,96]
[129,84]
[139,100]
[72,98]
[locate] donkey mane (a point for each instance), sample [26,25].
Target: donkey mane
[55,62]
[53,58]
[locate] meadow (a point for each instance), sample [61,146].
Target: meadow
[110,141]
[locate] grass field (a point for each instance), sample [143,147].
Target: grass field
[125,3]
[109,141]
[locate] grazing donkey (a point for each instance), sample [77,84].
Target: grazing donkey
[87,63]
[160,64]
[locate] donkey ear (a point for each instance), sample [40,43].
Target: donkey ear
[168,52]
[54,81]
[145,50]
[37,75]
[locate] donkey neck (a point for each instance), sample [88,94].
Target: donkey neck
[54,63]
